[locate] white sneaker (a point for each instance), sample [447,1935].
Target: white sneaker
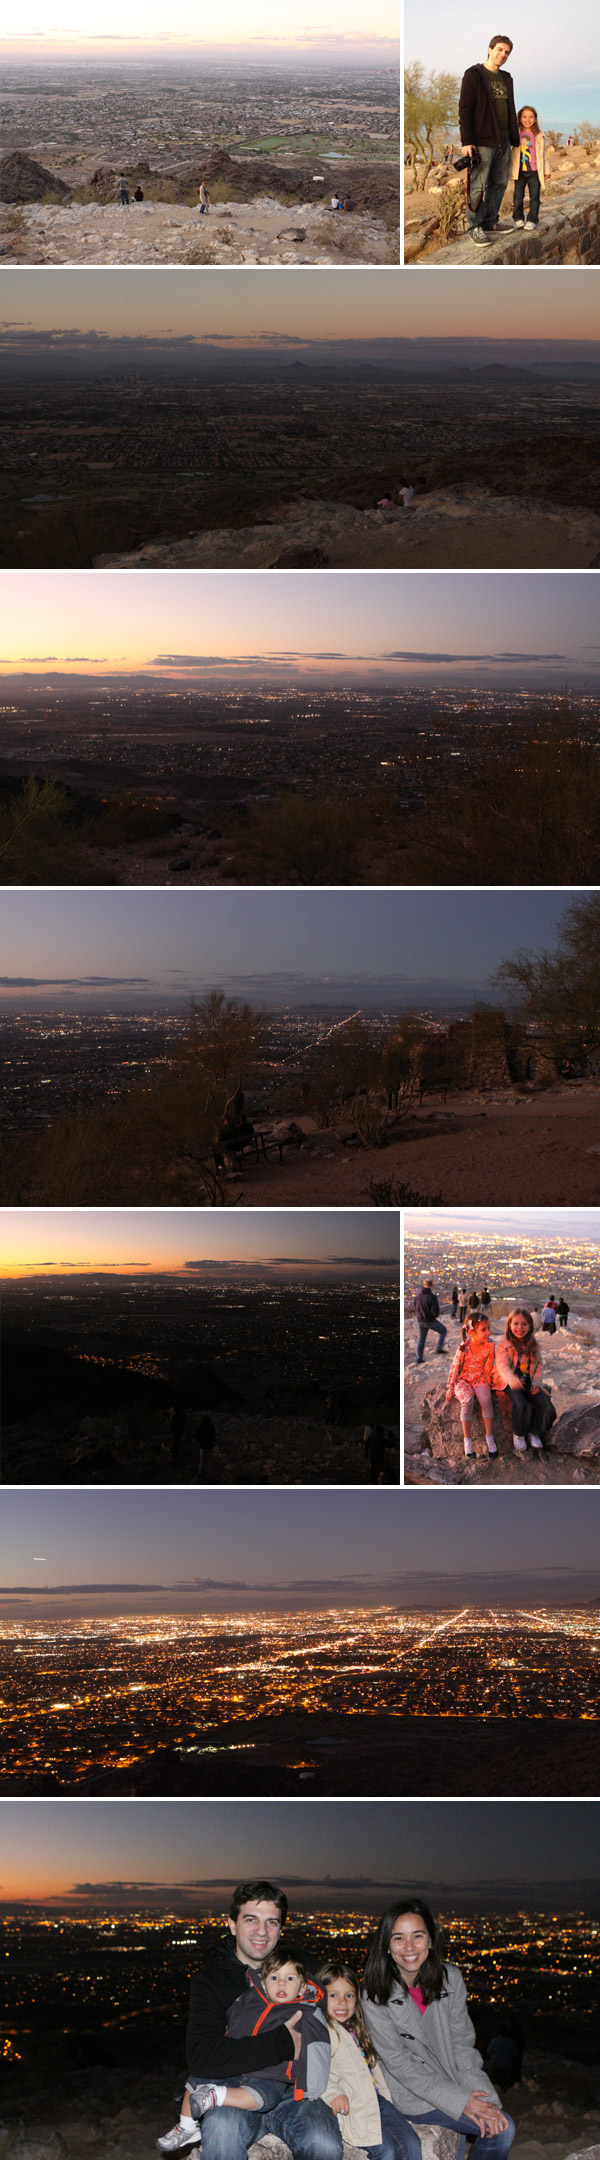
[491,1444]
[519,1444]
[534,1442]
[468,1447]
[518,221]
[177,2140]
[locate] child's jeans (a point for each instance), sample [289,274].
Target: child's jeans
[525,180]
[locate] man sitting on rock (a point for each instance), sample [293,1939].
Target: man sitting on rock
[257,1913]
[489,130]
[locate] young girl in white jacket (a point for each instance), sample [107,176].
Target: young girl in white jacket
[357,2091]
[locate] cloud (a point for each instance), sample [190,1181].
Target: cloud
[75,982]
[482,659]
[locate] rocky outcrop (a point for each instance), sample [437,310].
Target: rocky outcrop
[568,232]
[442,1429]
[348,535]
[22,180]
[577,1432]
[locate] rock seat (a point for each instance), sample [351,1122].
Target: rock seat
[443,1430]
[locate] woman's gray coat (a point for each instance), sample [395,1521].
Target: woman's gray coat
[430,2061]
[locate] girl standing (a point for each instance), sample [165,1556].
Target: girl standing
[527,167]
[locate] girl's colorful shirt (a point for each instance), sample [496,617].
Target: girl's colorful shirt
[528,151]
[473,1363]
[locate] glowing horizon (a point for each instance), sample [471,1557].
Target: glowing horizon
[135,1241]
[288,315]
[219,626]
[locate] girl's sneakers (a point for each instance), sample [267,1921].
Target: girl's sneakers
[491,1444]
[519,1444]
[177,2140]
[468,1446]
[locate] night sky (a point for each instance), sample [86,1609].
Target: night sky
[133,950]
[210,1551]
[115,1852]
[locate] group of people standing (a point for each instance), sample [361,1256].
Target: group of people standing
[512,1366]
[326,2061]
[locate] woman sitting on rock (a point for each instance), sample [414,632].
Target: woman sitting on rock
[518,1368]
[415,2006]
[470,1375]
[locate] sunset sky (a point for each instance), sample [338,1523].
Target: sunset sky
[44,1241]
[242,307]
[379,626]
[264,31]
[135,950]
[114,1853]
[553,63]
[142,1551]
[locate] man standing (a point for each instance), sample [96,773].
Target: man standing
[428,1311]
[257,1913]
[489,129]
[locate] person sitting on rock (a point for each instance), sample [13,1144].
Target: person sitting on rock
[470,1375]
[278,1997]
[518,1367]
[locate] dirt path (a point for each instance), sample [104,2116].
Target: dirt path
[532,1151]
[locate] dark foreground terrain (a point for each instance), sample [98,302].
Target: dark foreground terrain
[99,468]
[355,1755]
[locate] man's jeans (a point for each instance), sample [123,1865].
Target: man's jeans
[437,1329]
[489,180]
[307,2126]
[525,180]
[483,2148]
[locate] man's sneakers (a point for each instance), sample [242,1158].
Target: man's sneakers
[479,237]
[177,2140]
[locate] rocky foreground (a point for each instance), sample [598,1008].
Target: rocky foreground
[100,2114]
[462,527]
[433,1441]
[263,230]
[250,1450]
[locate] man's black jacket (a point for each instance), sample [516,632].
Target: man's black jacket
[477,111]
[209,2051]
[426,1306]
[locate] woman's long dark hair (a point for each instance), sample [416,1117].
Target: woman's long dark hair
[381,1974]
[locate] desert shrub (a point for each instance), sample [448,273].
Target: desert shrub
[558,993]
[548,820]
[316,842]
[393,1192]
[338,233]
[122,824]
[452,214]
[38,845]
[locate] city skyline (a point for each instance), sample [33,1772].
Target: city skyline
[171,312]
[573,1223]
[167,629]
[143,1551]
[136,950]
[111,1240]
[119,1855]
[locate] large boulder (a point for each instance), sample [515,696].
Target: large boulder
[41,2145]
[442,1429]
[23,180]
[577,1432]
[436,2144]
